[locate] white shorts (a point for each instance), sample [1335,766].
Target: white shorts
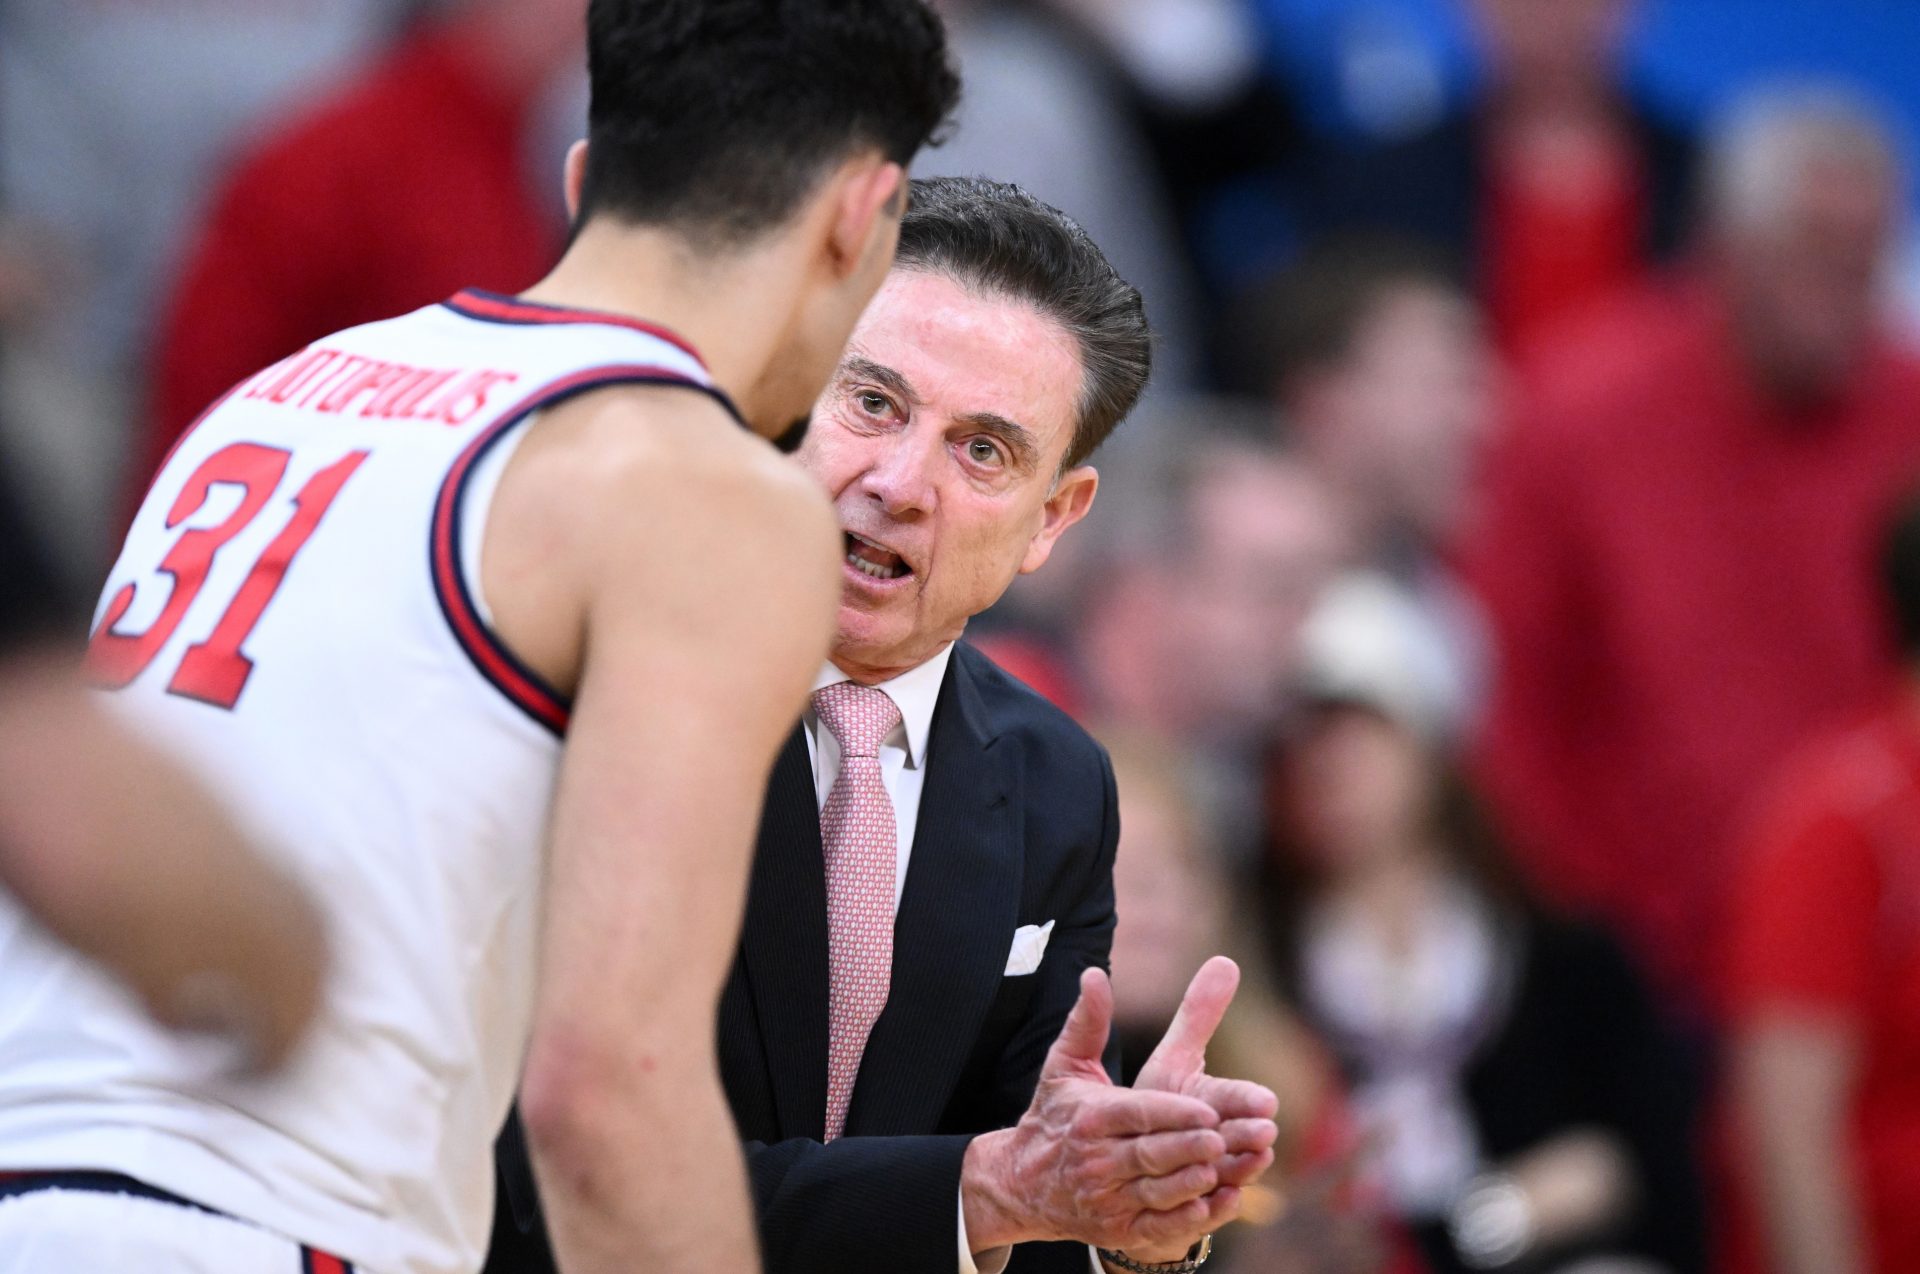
[85,1232]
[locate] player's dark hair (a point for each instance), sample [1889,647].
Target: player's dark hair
[1900,573]
[719,117]
[1000,239]
[1307,316]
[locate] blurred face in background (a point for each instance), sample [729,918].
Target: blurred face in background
[1400,423]
[940,439]
[1356,792]
[1263,538]
[1804,277]
[1126,636]
[1552,45]
[1168,896]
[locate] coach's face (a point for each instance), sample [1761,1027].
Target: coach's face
[940,439]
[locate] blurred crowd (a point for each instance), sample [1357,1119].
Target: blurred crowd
[1504,612]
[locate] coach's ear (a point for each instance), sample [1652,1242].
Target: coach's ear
[576,177]
[1071,499]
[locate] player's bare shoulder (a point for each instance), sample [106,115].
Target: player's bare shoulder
[657,467]
[652,497]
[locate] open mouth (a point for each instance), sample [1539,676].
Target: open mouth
[875,561]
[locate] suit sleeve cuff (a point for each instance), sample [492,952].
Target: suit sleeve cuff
[991,1261]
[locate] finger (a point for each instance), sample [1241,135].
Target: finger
[1084,1037]
[1159,1154]
[1249,1136]
[1201,1010]
[1243,1169]
[1128,1112]
[1223,1206]
[1157,1194]
[1236,1098]
[1185,1223]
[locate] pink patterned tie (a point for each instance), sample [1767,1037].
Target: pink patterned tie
[862,849]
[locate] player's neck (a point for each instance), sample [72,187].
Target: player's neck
[735,310]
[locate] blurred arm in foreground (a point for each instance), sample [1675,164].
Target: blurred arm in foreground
[118,853]
[121,855]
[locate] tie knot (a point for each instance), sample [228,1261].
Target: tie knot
[859,716]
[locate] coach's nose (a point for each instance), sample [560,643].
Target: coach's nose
[902,478]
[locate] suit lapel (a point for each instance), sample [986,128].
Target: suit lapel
[784,944]
[961,902]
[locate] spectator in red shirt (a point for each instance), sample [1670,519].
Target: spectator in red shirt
[1676,553]
[1554,187]
[407,185]
[1825,987]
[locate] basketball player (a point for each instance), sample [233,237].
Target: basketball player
[437,592]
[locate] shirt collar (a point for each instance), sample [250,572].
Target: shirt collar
[914,692]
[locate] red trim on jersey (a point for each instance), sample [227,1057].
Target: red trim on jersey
[475,303]
[313,1262]
[524,687]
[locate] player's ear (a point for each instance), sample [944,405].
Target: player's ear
[1071,499]
[575,177]
[872,195]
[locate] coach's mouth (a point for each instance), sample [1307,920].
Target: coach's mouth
[875,560]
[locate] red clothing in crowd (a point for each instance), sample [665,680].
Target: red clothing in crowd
[409,185]
[1679,579]
[1551,254]
[1827,921]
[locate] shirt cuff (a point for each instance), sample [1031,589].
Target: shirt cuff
[993,1260]
[1093,1257]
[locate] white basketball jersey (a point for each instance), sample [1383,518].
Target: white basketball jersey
[296,614]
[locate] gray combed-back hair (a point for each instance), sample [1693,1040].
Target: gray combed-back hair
[996,237]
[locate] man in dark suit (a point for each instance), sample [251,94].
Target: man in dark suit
[912,1038]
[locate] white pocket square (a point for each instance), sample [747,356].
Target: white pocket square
[1029,944]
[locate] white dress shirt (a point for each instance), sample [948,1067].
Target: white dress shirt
[903,769]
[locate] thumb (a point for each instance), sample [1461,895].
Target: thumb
[1183,1049]
[1084,1037]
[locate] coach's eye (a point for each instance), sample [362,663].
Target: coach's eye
[983,451]
[873,404]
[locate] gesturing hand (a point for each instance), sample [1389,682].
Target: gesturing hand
[1114,1167]
[1178,1065]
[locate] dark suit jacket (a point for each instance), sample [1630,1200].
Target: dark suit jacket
[1017,826]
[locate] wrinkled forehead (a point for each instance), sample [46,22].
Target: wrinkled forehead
[964,352]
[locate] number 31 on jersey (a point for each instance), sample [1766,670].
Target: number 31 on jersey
[215,671]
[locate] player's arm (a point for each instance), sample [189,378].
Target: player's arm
[119,853]
[707,568]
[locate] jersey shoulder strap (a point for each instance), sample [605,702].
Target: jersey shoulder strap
[613,357]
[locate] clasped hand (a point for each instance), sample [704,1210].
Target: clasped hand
[1145,1170]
